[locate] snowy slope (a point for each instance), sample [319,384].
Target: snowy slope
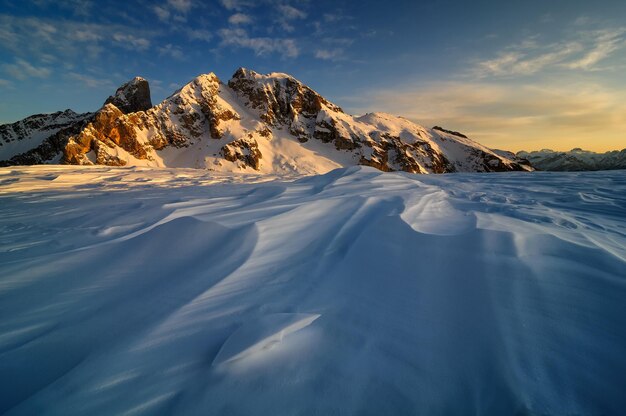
[575,160]
[179,291]
[270,124]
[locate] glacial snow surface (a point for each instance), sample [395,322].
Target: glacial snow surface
[159,291]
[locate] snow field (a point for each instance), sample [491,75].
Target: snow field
[162,291]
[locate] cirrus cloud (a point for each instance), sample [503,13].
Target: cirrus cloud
[582,51]
[239,19]
[238,37]
[22,70]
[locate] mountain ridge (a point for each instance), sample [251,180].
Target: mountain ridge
[575,160]
[269,123]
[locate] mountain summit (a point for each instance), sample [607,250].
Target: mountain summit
[131,97]
[265,123]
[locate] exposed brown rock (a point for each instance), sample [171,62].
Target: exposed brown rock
[279,100]
[265,132]
[245,150]
[109,128]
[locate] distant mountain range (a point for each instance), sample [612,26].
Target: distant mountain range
[575,160]
[266,123]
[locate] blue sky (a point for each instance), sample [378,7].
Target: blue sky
[515,75]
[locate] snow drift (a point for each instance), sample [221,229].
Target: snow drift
[139,291]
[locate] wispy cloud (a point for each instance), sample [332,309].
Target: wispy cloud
[331,24]
[605,43]
[260,45]
[239,19]
[287,14]
[583,51]
[333,48]
[22,70]
[85,35]
[91,82]
[181,6]
[63,39]
[173,10]
[199,34]
[171,51]
[236,4]
[133,42]
[329,54]
[519,63]
[290,12]
[162,13]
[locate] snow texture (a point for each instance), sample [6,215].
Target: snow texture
[160,291]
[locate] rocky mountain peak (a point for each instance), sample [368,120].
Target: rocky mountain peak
[107,112]
[245,73]
[198,106]
[132,96]
[202,84]
[279,97]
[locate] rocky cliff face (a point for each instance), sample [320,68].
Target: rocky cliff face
[131,97]
[107,130]
[265,123]
[281,101]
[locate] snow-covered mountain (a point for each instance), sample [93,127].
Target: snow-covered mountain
[265,123]
[39,138]
[575,160]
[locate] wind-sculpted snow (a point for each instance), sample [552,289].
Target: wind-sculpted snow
[139,291]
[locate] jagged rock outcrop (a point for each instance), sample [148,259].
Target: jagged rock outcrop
[265,123]
[109,129]
[388,151]
[452,132]
[284,101]
[131,97]
[280,97]
[245,150]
